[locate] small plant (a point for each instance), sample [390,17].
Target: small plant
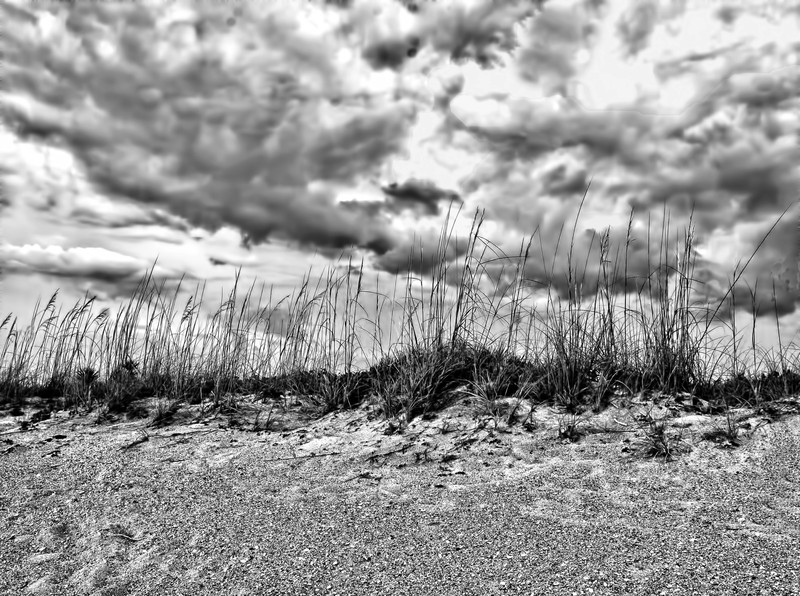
[122,386]
[267,422]
[602,391]
[329,392]
[86,377]
[568,430]
[658,442]
[726,436]
[164,413]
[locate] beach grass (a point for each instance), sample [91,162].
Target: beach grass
[474,328]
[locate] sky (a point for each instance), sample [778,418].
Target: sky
[286,134]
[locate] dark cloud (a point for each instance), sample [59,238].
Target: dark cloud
[420,255]
[732,157]
[718,298]
[727,14]
[761,173]
[450,86]
[778,259]
[636,25]
[310,220]
[412,6]
[358,145]
[586,254]
[17,13]
[534,131]
[553,41]
[547,265]
[478,32]
[391,53]
[564,179]
[343,4]
[212,143]
[422,197]
[195,129]
[415,193]
[751,177]
[367,208]
[762,90]
[123,215]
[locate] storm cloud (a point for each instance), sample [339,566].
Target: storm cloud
[192,115]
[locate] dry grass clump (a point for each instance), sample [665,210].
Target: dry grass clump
[447,338]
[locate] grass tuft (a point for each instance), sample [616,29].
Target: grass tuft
[479,327]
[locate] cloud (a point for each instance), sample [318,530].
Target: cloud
[17,12]
[637,24]
[479,32]
[529,131]
[182,119]
[183,116]
[310,220]
[343,4]
[763,90]
[163,282]
[553,41]
[730,154]
[777,260]
[94,263]
[391,53]
[752,176]
[102,212]
[420,254]
[565,178]
[548,265]
[423,194]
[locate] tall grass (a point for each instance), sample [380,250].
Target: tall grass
[470,327]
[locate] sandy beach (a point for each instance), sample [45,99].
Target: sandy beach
[352,504]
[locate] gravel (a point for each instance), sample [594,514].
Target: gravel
[216,512]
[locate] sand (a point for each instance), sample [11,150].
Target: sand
[354,504]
